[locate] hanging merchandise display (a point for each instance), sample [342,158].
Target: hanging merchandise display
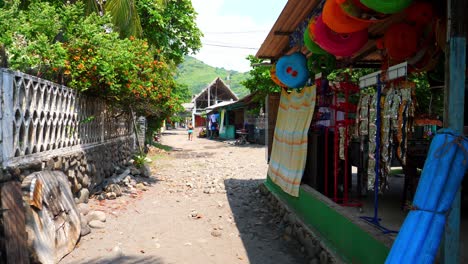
[343,45]
[289,150]
[321,63]
[371,174]
[360,12]
[396,118]
[337,20]
[274,78]
[311,45]
[400,41]
[387,6]
[405,119]
[420,13]
[292,70]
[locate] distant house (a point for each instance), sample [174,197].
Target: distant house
[236,115]
[215,93]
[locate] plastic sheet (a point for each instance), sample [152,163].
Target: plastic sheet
[421,233]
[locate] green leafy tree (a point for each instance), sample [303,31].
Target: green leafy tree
[170,28]
[259,80]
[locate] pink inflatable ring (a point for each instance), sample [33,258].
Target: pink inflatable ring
[342,45]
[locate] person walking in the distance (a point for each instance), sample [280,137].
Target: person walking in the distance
[213,126]
[190,131]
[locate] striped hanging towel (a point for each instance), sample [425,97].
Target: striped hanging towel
[289,151]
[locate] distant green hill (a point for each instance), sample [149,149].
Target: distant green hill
[197,75]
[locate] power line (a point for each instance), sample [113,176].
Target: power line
[236,32]
[228,46]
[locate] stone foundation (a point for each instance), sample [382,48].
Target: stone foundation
[294,227]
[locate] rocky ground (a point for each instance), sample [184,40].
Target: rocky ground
[201,205]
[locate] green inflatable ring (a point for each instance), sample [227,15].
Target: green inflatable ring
[311,45]
[387,6]
[324,63]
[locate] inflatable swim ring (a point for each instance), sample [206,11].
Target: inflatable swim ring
[292,70]
[401,41]
[387,6]
[274,78]
[337,20]
[311,45]
[343,45]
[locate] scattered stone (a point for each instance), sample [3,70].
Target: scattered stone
[96,224]
[85,230]
[117,251]
[141,186]
[216,233]
[188,244]
[111,195]
[96,215]
[134,171]
[83,196]
[115,188]
[212,191]
[101,197]
[220,204]
[145,171]
[83,208]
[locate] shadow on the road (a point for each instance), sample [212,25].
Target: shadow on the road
[261,231]
[123,260]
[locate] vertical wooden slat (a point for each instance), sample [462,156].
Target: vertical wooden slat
[14,223]
[455,67]
[272,113]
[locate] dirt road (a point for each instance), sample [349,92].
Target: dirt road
[202,206]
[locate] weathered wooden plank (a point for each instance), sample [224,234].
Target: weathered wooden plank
[14,223]
[272,113]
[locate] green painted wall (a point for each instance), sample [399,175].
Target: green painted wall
[342,235]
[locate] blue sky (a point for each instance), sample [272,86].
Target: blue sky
[234,29]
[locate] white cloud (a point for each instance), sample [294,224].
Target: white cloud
[211,24]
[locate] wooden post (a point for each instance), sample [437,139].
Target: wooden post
[455,67]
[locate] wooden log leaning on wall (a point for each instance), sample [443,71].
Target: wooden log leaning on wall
[14,223]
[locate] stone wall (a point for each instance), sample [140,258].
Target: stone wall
[85,167]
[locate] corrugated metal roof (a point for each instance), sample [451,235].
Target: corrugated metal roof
[277,41]
[295,12]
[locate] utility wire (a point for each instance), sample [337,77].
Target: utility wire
[236,32]
[228,46]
